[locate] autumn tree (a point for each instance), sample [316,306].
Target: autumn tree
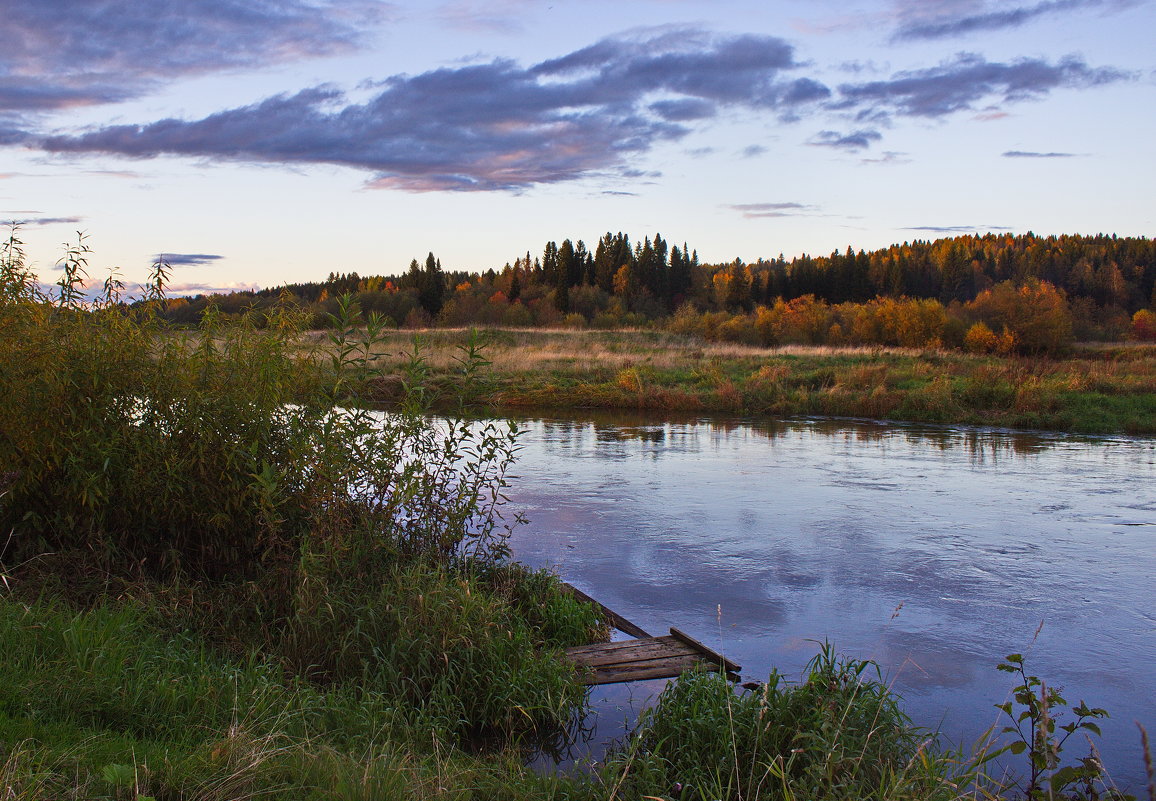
[1036,313]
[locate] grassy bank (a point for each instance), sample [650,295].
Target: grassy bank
[1094,389]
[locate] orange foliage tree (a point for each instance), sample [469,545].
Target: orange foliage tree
[1144,326]
[1036,313]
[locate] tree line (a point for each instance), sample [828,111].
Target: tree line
[1103,283]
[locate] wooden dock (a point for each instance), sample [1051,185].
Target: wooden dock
[644,657]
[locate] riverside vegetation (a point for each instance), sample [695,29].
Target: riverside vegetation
[223,576]
[967,329]
[1098,389]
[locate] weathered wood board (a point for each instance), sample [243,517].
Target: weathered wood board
[646,658]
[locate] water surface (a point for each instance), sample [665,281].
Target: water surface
[934,551]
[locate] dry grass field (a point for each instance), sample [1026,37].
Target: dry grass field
[1095,389]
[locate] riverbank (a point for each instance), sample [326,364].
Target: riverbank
[1095,389]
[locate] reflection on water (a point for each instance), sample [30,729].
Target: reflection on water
[934,551]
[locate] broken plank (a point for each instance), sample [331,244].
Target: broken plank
[728,665]
[635,651]
[616,620]
[666,670]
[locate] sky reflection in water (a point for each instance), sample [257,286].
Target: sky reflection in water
[934,551]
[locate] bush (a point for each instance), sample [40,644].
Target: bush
[1144,326]
[1036,313]
[228,452]
[233,479]
[838,734]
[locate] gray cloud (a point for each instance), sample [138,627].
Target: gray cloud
[12,130]
[496,16]
[63,53]
[957,229]
[186,259]
[1028,154]
[499,125]
[856,140]
[953,23]
[888,157]
[495,125]
[207,289]
[683,110]
[751,151]
[772,210]
[41,220]
[966,80]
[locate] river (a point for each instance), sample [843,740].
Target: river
[933,551]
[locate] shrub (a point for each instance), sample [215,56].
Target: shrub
[1036,313]
[1144,326]
[838,734]
[980,339]
[230,451]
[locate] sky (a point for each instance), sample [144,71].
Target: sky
[264,142]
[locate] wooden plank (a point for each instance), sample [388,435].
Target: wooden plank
[666,670]
[718,658]
[616,620]
[619,645]
[637,651]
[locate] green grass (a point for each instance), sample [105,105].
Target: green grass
[838,734]
[120,684]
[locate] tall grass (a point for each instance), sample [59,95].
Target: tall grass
[228,452]
[838,734]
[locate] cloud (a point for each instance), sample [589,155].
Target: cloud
[12,130]
[888,157]
[500,125]
[209,289]
[957,229]
[496,125]
[63,53]
[114,173]
[752,151]
[186,259]
[1028,154]
[856,140]
[753,211]
[135,290]
[487,16]
[968,79]
[41,220]
[683,110]
[952,23]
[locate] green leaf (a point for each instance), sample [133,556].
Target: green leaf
[1063,777]
[1092,727]
[1018,748]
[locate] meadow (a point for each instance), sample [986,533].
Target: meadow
[1092,389]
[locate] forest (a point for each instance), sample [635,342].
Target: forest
[992,293]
